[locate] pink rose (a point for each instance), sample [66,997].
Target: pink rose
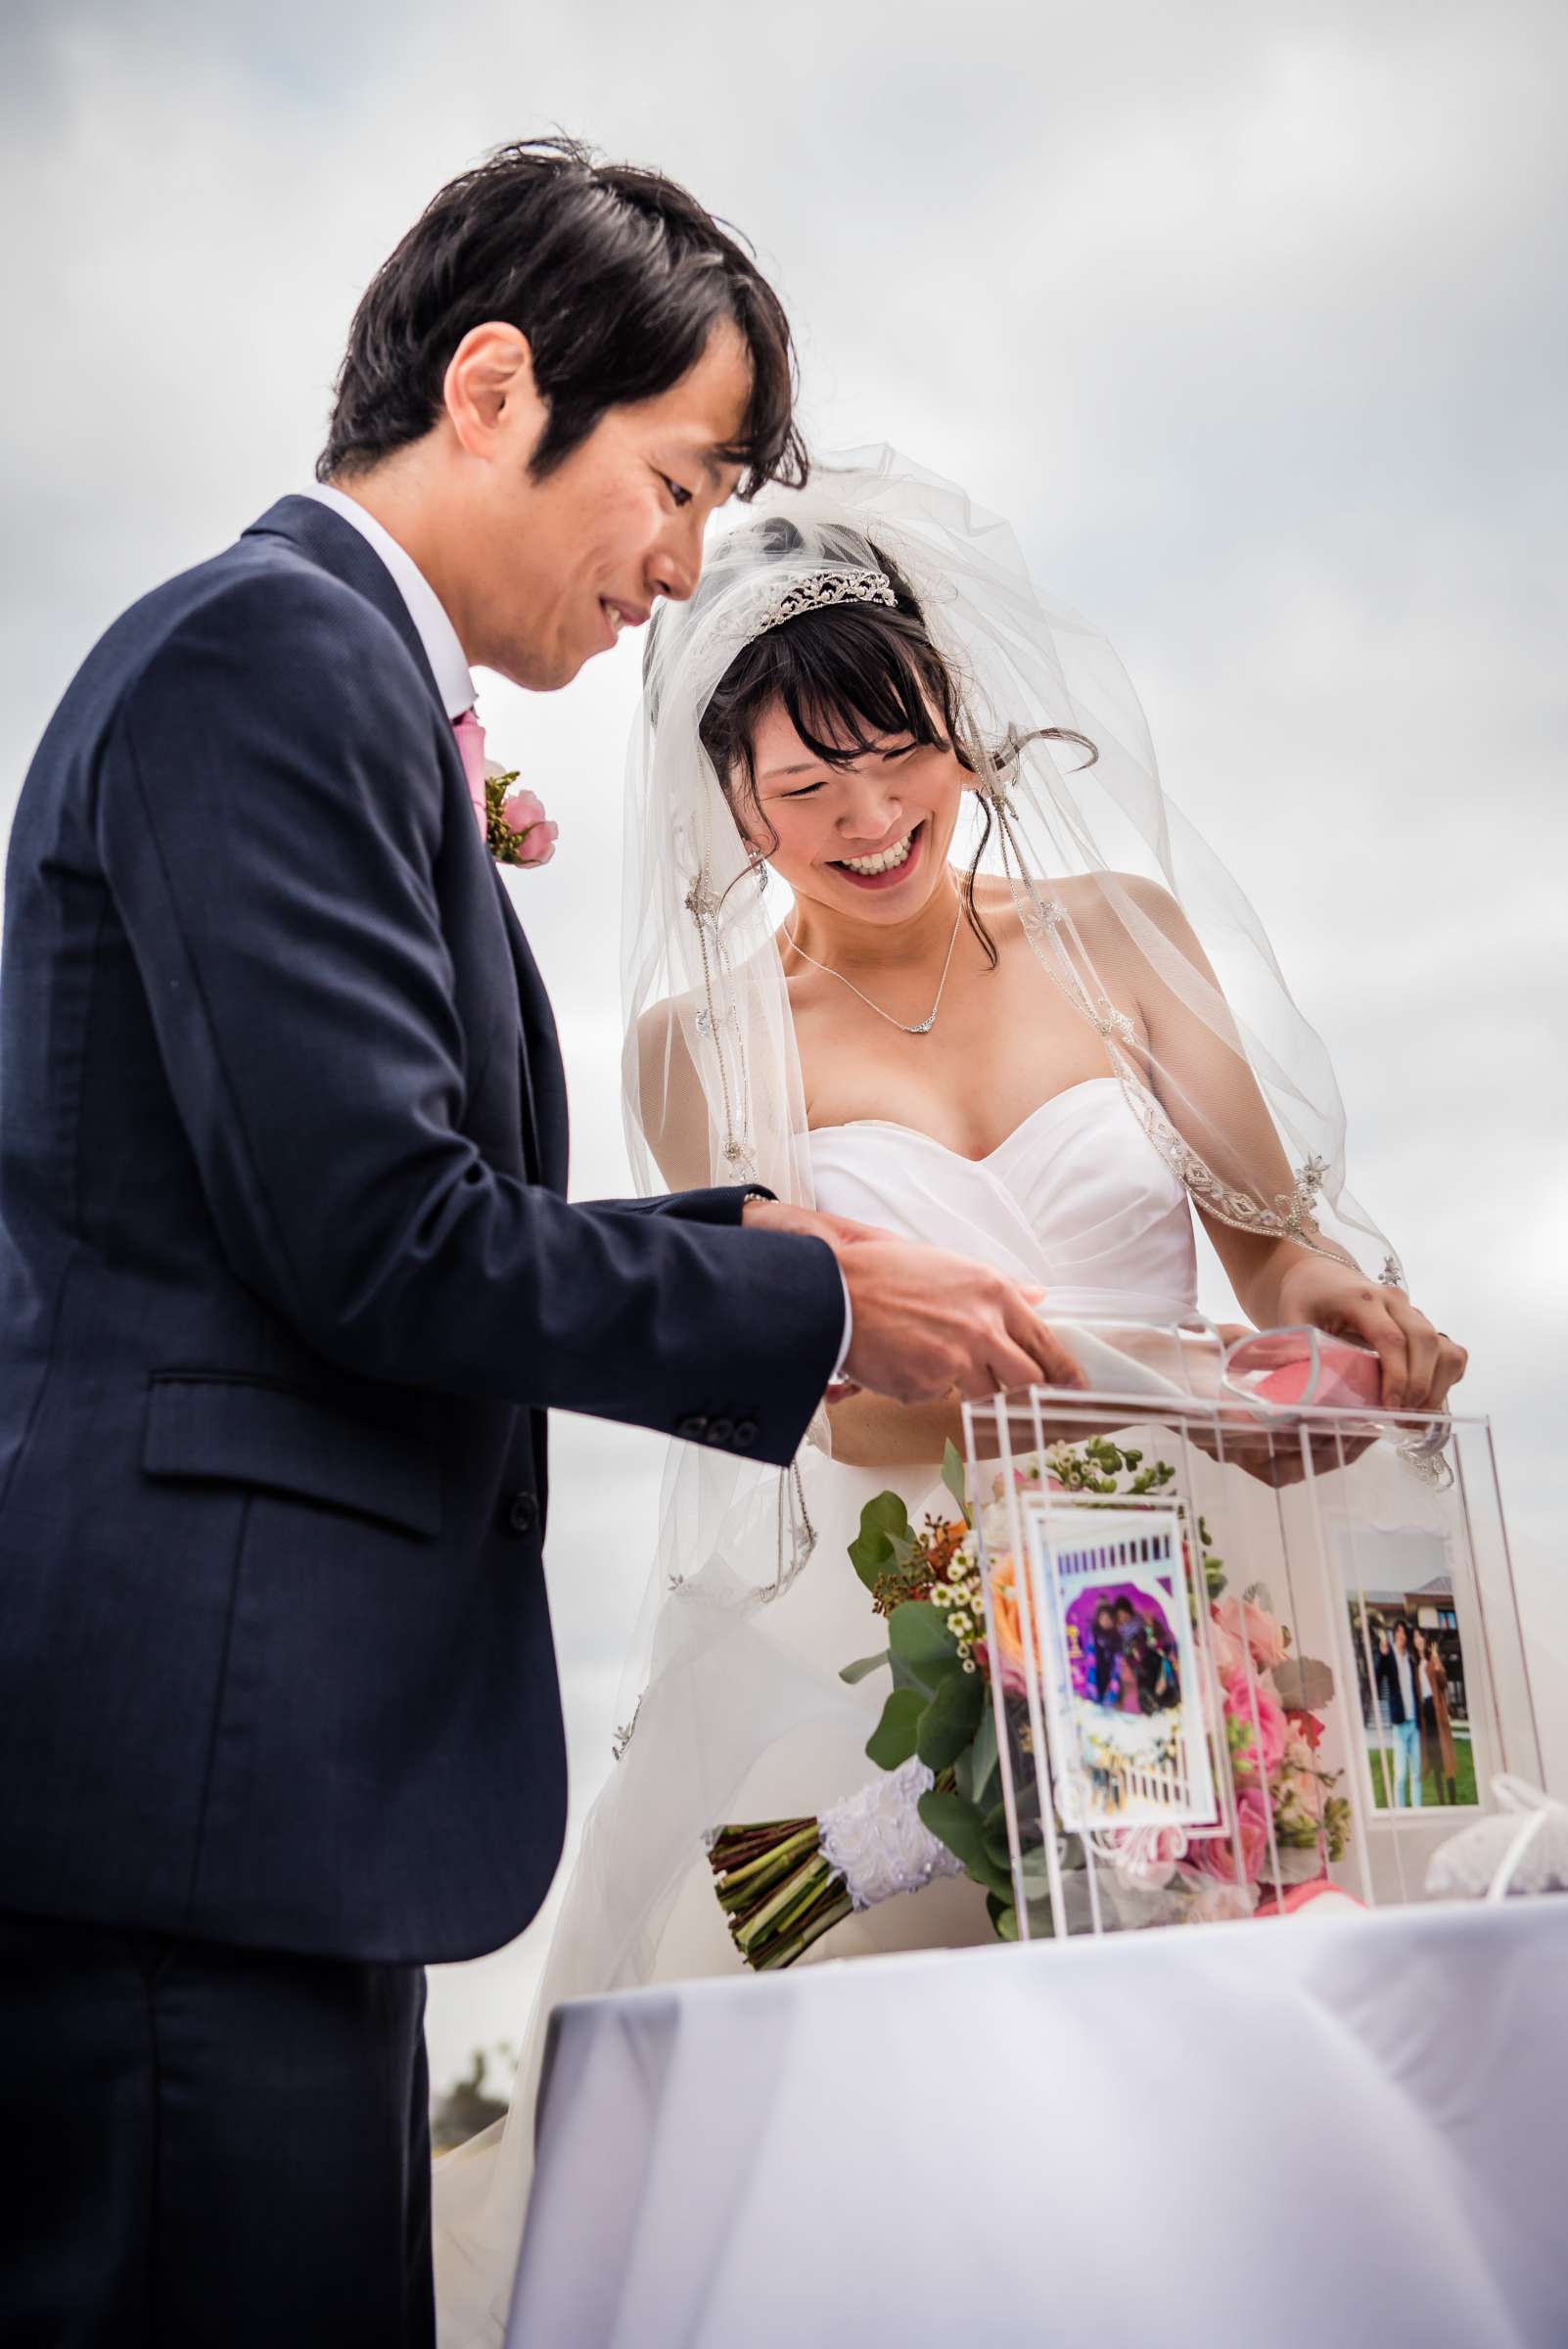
[1215,1856]
[1145,1858]
[1229,1656]
[523,813]
[1261,1716]
[1263,1636]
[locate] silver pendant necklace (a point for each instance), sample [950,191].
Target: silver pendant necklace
[921,1027]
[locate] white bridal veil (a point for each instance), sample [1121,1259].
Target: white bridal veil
[1243,1107]
[1065,772]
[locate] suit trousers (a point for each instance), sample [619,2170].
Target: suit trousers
[210,2144]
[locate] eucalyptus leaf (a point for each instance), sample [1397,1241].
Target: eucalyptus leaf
[863,1667]
[1004,1918]
[871,1557]
[998,1850]
[892,1740]
[952,1476]
[884,1526]
[957,1824]
[951,1720]
[919,1637]
[983,1758]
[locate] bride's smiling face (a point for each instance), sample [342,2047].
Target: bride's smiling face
[866,839]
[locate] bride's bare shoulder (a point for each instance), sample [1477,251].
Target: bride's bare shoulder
[1091,900]
[670,1101]
[1086,898]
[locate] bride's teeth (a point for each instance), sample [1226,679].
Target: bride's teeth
[879,864]
[617,619]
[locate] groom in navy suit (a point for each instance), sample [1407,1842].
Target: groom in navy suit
[288,1280]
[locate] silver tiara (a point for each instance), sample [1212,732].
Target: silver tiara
[810,594]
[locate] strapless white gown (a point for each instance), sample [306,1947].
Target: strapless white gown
[1078,1200]
[1075,1199]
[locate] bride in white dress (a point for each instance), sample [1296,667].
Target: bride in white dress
[1013,1007]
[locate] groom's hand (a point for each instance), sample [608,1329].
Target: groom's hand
[808,1223]
[932,1327]
[929,1326]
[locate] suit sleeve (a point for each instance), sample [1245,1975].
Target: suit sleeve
[268,814]
[723,1204]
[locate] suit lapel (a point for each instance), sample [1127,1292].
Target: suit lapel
[325,538]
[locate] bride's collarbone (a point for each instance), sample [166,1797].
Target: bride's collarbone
[969,1100]
[1004,1044]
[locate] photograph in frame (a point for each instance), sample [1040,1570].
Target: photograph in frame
[1412,1666]
[1121,1685]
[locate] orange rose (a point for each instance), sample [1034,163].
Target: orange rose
[1005,1615]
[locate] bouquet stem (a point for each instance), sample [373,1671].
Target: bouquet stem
[777,1888]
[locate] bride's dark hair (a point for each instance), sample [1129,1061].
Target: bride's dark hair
[848,676]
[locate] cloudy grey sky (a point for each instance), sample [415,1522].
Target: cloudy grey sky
[1251,317]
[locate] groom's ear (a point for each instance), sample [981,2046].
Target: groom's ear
[492,399]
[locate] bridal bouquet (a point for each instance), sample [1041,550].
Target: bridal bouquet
[938,1808]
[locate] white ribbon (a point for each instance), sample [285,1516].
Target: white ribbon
[878,1842]
[1483,1861]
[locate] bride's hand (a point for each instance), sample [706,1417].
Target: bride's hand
[1418,1363]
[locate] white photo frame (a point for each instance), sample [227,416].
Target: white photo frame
[1387,1573]
[1123,1702]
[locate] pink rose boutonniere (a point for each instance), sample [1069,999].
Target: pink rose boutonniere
[516,828]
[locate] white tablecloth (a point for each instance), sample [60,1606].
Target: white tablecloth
[1322,2132]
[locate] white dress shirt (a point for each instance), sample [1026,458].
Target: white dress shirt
[447,659]
[449,666]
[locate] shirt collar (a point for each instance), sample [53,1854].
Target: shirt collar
[447,659]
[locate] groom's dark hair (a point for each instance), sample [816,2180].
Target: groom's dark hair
[615,275]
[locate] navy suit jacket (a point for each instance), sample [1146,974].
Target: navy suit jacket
[287,1282]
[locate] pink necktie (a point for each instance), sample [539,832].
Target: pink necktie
[471,744]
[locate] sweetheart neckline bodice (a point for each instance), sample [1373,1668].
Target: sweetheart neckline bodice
[918,1133]
[1076,1199]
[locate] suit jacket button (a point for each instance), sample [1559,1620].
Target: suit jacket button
[744,1434]
[694,1428]
[719,1431]
[524,1513]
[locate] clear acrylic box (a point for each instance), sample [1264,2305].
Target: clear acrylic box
[1273,1656]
